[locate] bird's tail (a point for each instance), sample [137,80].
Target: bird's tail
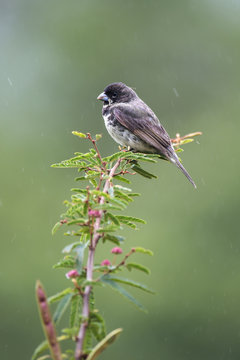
[177,162]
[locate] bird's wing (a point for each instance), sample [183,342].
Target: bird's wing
[141,121]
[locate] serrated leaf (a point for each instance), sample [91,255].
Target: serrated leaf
[77,221]
[61,308]
[102,345]
[122,178]
[74,310]
[80,256]
[113,218]
[122,203]
[123,196]
[134,194]
[123,218]
[107,207]
[67,263]
[141,157]
[113,157]
[79,134]
[93,182]
[59,295]
[82,191]
[116,239]
[130,224]
[97,324]
[56,227]
[136,266]
[120,187]
[67,249]
[143,251]
[87,343]
[108,228]
[144,173]
[115,286]
[127,282]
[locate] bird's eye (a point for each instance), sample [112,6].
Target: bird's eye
[114,95]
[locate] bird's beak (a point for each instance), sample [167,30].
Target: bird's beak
[102,97]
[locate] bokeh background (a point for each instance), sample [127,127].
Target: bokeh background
[183,59]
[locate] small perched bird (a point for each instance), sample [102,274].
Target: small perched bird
[131,123]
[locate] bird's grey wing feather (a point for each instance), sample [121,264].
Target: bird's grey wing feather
[145,125]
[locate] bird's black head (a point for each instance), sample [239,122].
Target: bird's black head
[117,93]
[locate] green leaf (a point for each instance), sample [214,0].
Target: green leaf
[77,221]
[87,343]
[130,224]
[186,141]
[40,349]
[123,196]
[102,345]
[119,187]
[143,251]
[123,218]
[44,357]
[115,286]
[113,218]
[142,172]
[136,266]
[141,157]
[107,207]
[82,191]
[93,182]
[61,308]
[122,203]
[97,325]
[59,295]
[79,134]
[116,156]
[43,346]
[80,255]
[56,227]
[67,263]
[116,239]
[108,228]
[128,282]
[121,178]
[67,249]
[80,178]
[134,194]
[74,310]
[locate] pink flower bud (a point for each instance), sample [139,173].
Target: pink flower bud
[116,250]
[105,262]
[72,274]
[95,213]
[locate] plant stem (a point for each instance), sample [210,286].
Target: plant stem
[90,265]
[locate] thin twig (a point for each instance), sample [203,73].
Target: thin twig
[90,264]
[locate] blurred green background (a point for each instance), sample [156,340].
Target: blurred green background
[183,59]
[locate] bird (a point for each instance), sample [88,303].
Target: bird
[133,124]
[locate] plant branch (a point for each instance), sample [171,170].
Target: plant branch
[90,264]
